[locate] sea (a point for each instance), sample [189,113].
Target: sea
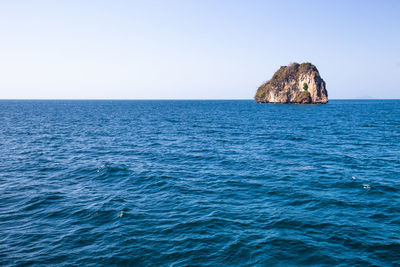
[199,183]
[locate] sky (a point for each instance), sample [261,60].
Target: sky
[194,49]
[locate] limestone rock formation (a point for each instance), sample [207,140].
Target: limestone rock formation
[297,83]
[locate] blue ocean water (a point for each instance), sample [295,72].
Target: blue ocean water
[200,183]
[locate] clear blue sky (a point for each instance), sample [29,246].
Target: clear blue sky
[194,49]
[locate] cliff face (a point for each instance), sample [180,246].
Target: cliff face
[297,83]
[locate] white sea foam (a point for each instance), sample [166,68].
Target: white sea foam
[101,167]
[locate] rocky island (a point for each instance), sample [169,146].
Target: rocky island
[296,83]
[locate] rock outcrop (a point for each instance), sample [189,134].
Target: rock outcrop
[297,83]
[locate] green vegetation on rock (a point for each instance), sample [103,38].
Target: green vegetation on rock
[284,86]
[260,94]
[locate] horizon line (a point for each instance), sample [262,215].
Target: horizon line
[162,99]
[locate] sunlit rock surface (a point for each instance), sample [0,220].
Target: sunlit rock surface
[297,83]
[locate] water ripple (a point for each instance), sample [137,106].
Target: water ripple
[200,183]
